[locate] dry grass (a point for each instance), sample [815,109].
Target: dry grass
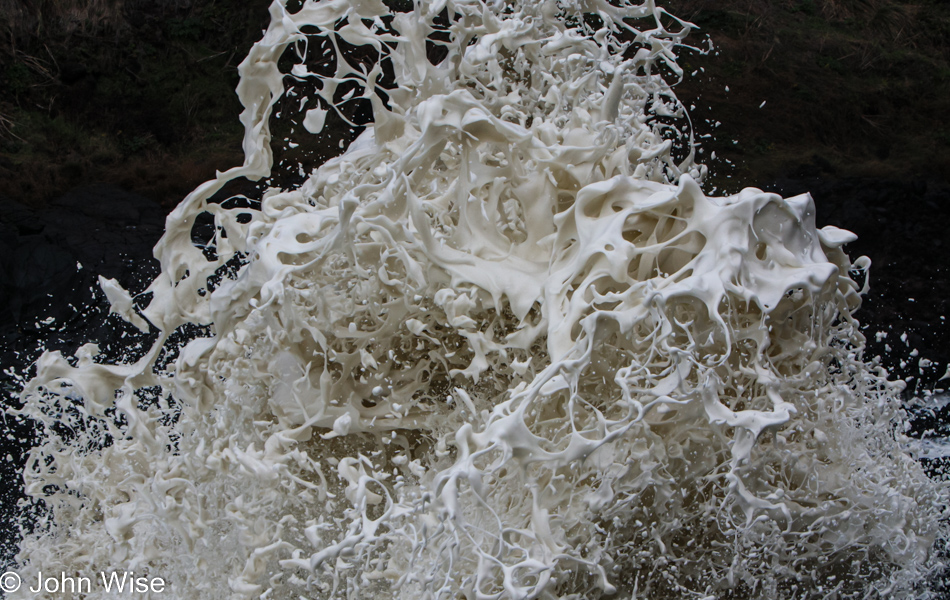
[41,17]
[853,84]
[6,128]
[890,17]
[85,17]
[857,83]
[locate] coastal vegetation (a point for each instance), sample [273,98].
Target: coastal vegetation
[141,94]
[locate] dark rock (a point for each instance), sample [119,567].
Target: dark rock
[71,72]
[50,261]
[23,219]
[901,227]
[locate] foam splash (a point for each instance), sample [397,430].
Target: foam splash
[502,347]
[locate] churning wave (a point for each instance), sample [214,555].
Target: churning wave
[502,347]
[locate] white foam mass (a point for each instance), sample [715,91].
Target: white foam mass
[503,347]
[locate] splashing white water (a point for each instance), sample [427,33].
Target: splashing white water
[502,347]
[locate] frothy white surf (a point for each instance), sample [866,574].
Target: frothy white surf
[502,347]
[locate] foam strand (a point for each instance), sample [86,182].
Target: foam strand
[503,347]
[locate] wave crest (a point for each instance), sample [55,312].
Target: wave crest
[502,347]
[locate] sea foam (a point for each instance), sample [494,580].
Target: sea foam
[502,347]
